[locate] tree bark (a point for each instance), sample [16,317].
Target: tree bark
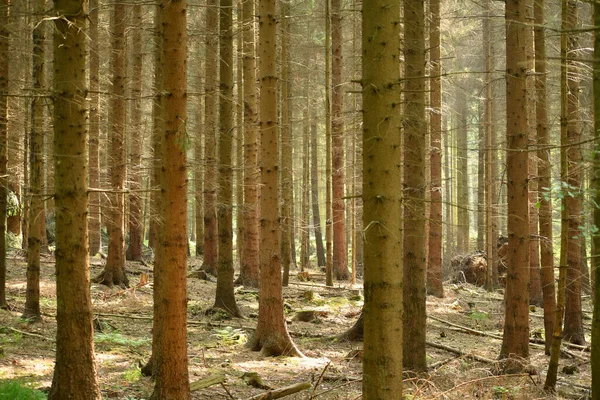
[595,352]
[75,369]
[382,217]
[315,194]
[4,32]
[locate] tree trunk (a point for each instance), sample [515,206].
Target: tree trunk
[305,217]
[544,178]
[134,250]
[415,128]
[36,141]
[239,139]
[250,261]
[340,248]
[328,221]
[94,132]
[271,336]
[462,181]
[315,193]
[4,32]
[210,138]
[170,360]
[382,218]
[75,368]
[515,343]
[481,187]
[225,299]
[595,352]
[114,272]
[434,262]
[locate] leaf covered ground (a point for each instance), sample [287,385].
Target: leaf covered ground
[216,344]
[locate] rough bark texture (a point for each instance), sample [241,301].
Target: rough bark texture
[573,329]
[271,337]
[328,211]
[210,138]
[314,182]
[170,360]
[94,132]
[36,178]
[434,261]
[75,368]
[382,218]
[225,298]
[250,259]
[134,250]
[544,178]
[114,272]
[340,250]
[415,128]
[3,145]
[515,343]
[595,352]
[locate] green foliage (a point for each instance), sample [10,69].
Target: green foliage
[500,392]
[118,339]
[133,374]
[11,390]
[10,336]
[13,206]
[229,336]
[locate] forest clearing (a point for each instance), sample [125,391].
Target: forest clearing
[217,343]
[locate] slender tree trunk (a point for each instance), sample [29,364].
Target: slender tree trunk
[36,153]
[481,187]
[210,138]
[225,299]
[134,251]
[321,262]
[382,218]
[340,248]
[462,189]
[328,193]
[75,368]
[415,128]
[94,132]
[271,337]
[239,139]
[595,352]
[114,272]
[515,343]
[305,233]
[249,270]
[545,177]
[4,6]
[170,291]
[199,183]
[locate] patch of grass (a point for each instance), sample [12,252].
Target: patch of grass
[11,390]
[120,340]
[133,374]
[10,336]
[229,336]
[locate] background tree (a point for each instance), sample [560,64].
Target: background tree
[515,343]
[271,337]
[170,288]
[3,145]
[595,352]
[382,216]
[75,368]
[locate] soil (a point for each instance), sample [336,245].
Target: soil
[333,367]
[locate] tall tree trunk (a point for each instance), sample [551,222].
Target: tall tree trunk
[199,182]
[515,343]
[305,216]
[94,132]
[36,153]
[225,298]
[271,337]
[573,325]
[321,262]
[239,138]
[287,183]
[382,216]
[595,352]
[170,291]
[114,272]
[462,181]
[210,138]
[434,262]
[250,261]
[340,248]
[134,250]
[544,177]
[4,6]
[415,128]
[75,369]
[328,210]
[481,187]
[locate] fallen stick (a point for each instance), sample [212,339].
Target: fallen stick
[460,352]
[282,392]
[206,382]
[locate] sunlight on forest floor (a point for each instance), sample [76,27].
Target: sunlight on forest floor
[217,344]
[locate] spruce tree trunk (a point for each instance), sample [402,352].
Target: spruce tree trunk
[134,250]
[314,181]
[3,145]
[515,343]
[36,178]
[75,368]
[544,178]
[170,360]
[462,180]
[271,336]
[382,218]
[595,352]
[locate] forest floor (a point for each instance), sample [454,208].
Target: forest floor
[217,345]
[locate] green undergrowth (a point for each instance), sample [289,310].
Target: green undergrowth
[120,340]
[12,390]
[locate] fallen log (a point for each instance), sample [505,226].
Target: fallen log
[282,392]
[207,382]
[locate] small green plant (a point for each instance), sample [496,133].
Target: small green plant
[500,392]
[230,336]
[133,374]
[118,339]
[10,336]
[11,390]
